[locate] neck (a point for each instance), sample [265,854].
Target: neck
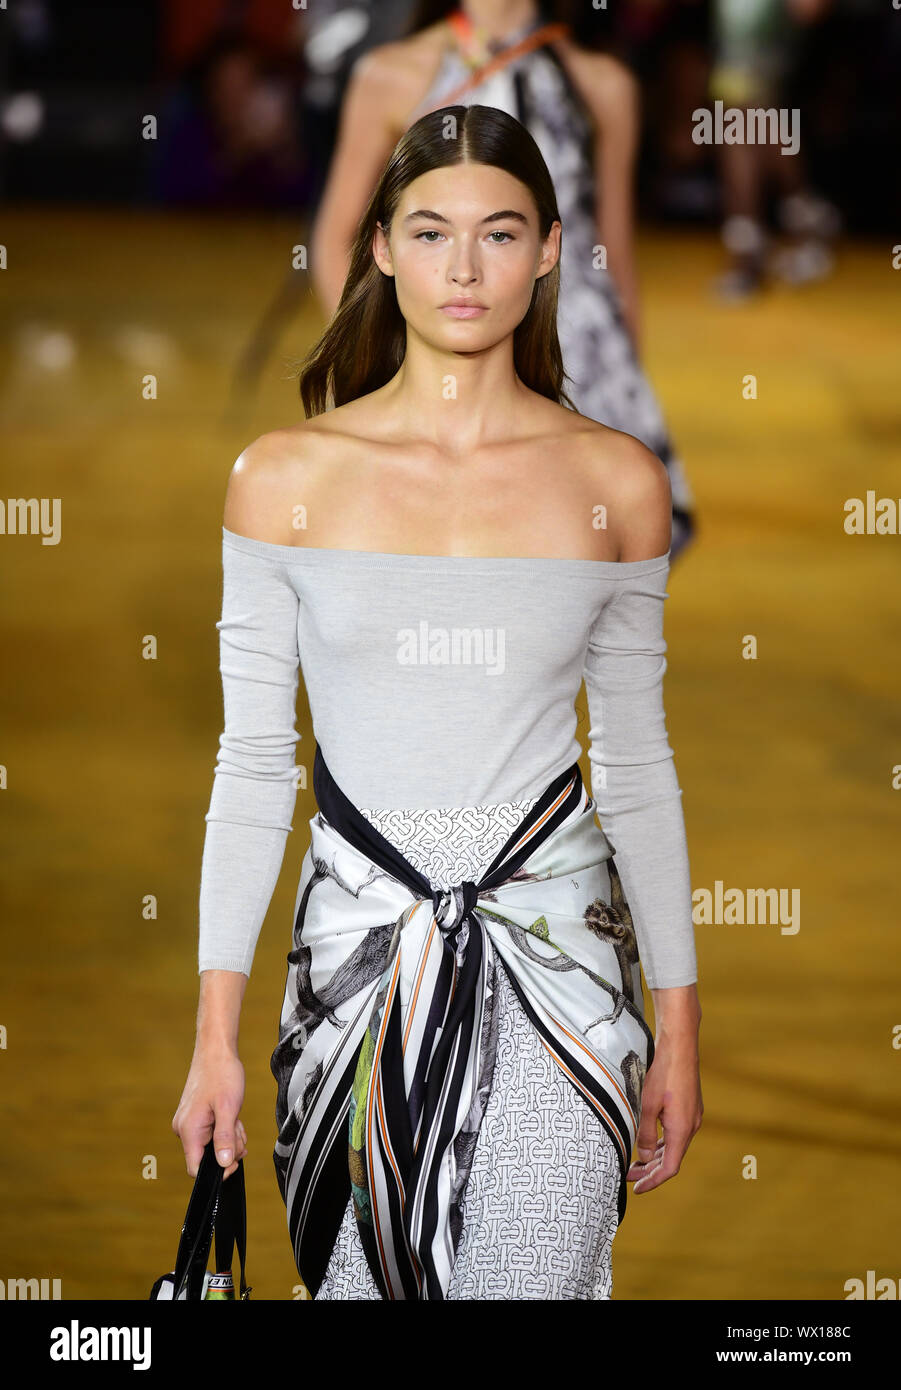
[486,405]
[495,19]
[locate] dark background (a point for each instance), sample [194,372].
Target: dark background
[81,78]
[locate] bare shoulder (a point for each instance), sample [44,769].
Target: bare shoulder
[606,84]
[607,73]
[271,479]
[381,67]
[396,74]
[632,484]
[401,55]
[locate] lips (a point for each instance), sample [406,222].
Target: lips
[463,309]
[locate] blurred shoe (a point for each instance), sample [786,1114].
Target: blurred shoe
[803,264]
[808,215]
[739,282]
[746,241]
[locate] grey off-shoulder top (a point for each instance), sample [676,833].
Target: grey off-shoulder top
[443,681]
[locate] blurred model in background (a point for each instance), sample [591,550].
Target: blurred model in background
[756,49]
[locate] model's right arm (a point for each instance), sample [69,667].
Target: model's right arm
[366,137]
[250,812]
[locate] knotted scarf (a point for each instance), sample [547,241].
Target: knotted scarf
[384,1061]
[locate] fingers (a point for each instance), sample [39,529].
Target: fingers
[647,1143]
[649,1149]
[229,1142]
[656,1172]
[664,1163]
[648,1159]
[225,1142]
[194,1142]
[240,1151]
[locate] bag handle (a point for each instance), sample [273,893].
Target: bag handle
[231,1223]
[215,1204]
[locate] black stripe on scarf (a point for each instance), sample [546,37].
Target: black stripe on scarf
[332,1192]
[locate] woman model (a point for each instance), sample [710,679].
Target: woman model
[582,109]
[463,1063]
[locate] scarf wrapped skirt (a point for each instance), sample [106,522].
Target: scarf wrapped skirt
[385,1061]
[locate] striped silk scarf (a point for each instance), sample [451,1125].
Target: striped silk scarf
[386,1045]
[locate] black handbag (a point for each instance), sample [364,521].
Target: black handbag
[217,1205]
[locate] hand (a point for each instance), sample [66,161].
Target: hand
[210,1103]
[672,1093]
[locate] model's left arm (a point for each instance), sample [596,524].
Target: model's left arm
[613,96]
[639,801]
[633,771]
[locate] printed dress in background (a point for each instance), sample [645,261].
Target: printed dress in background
[607,381]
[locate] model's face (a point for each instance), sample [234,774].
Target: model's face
[466,232]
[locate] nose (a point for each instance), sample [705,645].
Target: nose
[463,269]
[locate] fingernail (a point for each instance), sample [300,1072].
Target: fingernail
[224,1155]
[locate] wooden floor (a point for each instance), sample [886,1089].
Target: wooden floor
[785,761]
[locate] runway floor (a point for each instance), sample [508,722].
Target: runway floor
[785,761]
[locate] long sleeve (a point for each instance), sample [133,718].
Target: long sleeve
[254,787]
[633,772]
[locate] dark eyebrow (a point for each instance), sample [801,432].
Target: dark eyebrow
[428,216]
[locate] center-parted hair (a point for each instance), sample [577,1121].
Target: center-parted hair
[364,343]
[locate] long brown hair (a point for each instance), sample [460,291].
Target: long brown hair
[365,341]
